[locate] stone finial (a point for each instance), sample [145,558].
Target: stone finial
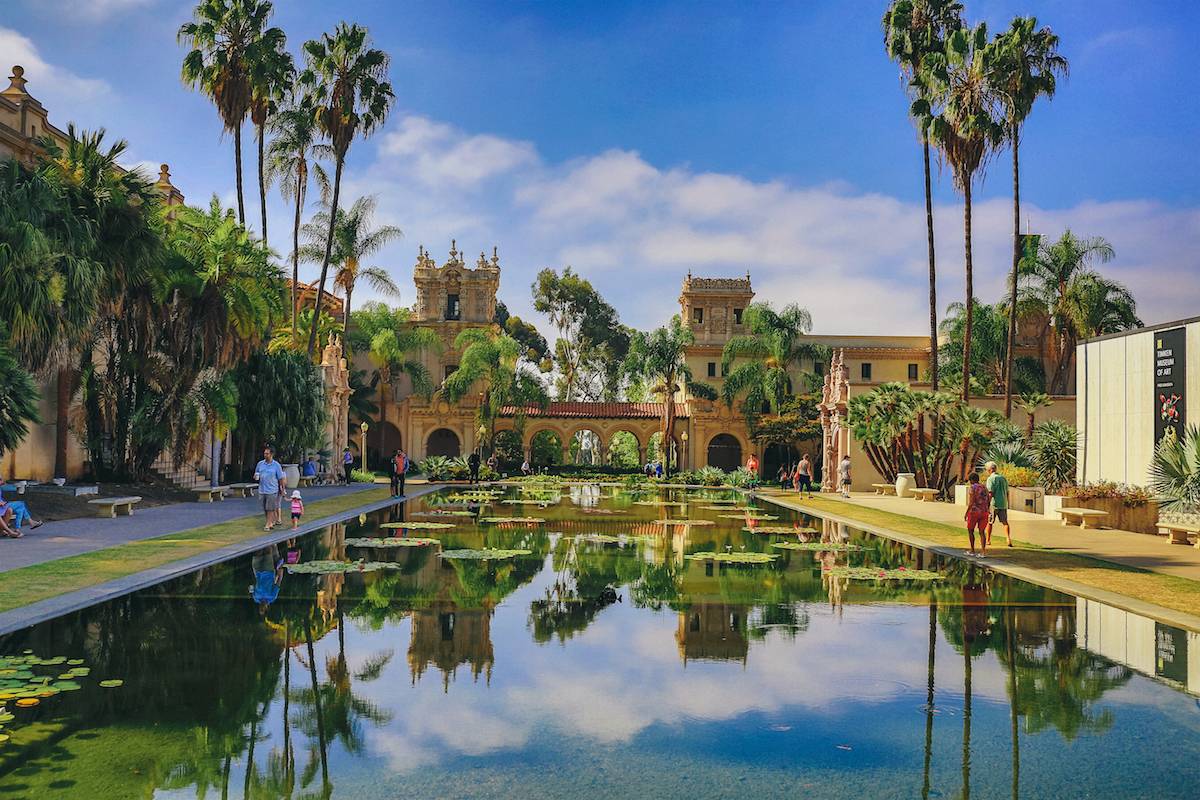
[495,257]
[17,81]
[453,250]
[164,173]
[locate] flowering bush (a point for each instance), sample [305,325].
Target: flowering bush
[1129,495]
[1018,476]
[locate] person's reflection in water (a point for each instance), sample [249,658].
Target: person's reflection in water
[268,575]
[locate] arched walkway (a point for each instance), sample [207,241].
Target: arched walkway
[724,451]
[624,450]
[443,442]
[585,446]
[545,449]
[508,449]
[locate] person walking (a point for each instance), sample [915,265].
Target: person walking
[399,467]
[844,475]
[297,508]
[976,517]
[473,465]
[804,476]
[347,465]
[997,486]
[752,463]
[784,477]
[272,483]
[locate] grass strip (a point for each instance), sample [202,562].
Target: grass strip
[1168,591]
[20,587]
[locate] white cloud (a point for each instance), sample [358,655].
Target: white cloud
[635,229]
[89,10]
[54,86]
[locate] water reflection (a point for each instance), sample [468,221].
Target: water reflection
[603,658]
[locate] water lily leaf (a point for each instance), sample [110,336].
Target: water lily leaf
[392,541]
[112,683]
[421,526]
[453,512]
[6,717]
[75,661]
[485,554]
[27,702]
[513,520]
[733,558]
[823,546]
[66,686]
[683,522]
[325,567]
[748,516]
[882,574]
[778,529]
[4,737]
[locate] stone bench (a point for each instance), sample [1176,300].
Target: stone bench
[924,495]
[206,494]
[109,506]
[244,489]
[884,488]
[1083,515]
[308,480]
[1177,532]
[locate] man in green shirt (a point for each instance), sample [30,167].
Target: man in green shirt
[997,486]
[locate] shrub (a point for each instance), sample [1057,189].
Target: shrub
[1054,453]
[362,476]
[1018,476]
[435,468]
[1175,471]
[708,476]
[1131,496]
[742,478]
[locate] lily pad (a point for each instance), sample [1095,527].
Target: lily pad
[6,717]
[779,529]
[112,683]
[658,503]
[721,508]
[66,686]
[324,567]
[683,522]
[487,554]
[27,702]
[392,541]
[530,501]
[837,547]
[733,558]
[883,574]
[444,513]
[513,520]
[4,737]
[74,662]
[748,516]
[418,526]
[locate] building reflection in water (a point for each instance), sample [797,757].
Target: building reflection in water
[446,637]
[713,632]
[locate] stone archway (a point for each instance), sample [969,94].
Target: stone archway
[624,450]
[443,442]
[724,451]
[585,445]
[545,448]
[388,441]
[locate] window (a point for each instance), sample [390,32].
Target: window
[912,372]
[737,316]
[866,370]
[818,368]
[698,316]
[451,369]
[452,307]
[712,369]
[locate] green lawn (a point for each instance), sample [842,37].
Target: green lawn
[1169,591]
[20,587]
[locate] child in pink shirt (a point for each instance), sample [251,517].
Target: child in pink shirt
[297,509]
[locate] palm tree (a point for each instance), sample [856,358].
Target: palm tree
[989,338]
[1025,66]
[913,30]
[660,359]
[1030,402]
[1075,300]
[353,242]
[218,399]
[347,81]
[293,145]
[393,345]
[272,76]
[492,361]
[773,349]
[1175,471]
[965,133]
[224,36]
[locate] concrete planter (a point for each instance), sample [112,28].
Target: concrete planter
[1030,499]
[960,494]
[1139,519]
[292,474]
[905,483]
[1051,503]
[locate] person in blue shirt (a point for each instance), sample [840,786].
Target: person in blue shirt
[268,574]
[310,467]
[272,483]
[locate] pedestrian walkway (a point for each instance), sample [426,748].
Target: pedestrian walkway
[1140,550]
[70,537]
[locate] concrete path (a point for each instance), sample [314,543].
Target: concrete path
[1140,550]
[70,537]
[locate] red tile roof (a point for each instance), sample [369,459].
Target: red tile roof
[598,410]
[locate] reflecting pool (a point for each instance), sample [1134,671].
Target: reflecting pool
[602,658]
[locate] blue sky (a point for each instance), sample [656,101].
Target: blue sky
[636,140]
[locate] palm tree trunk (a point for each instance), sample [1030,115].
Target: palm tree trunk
[1016,260]
[333,209]
[346,312]
[250,755]
[933,347]
[262,183]
[214,453]
[382,414]
[63,382]
[966,369]
[1012,704]
[316,688]
[237,160]
[287,691]
[966,747]
[296,256]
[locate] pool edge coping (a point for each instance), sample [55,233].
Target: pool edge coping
[41,611]
[1180,619]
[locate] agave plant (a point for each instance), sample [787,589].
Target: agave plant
[1175,471]
[1054,448]
[436,468]
[710,476]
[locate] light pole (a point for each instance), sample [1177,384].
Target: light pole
[482,433]
[362,443]
[684,465]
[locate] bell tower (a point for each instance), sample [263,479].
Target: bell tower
[455,292]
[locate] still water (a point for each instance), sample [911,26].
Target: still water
[599,668]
